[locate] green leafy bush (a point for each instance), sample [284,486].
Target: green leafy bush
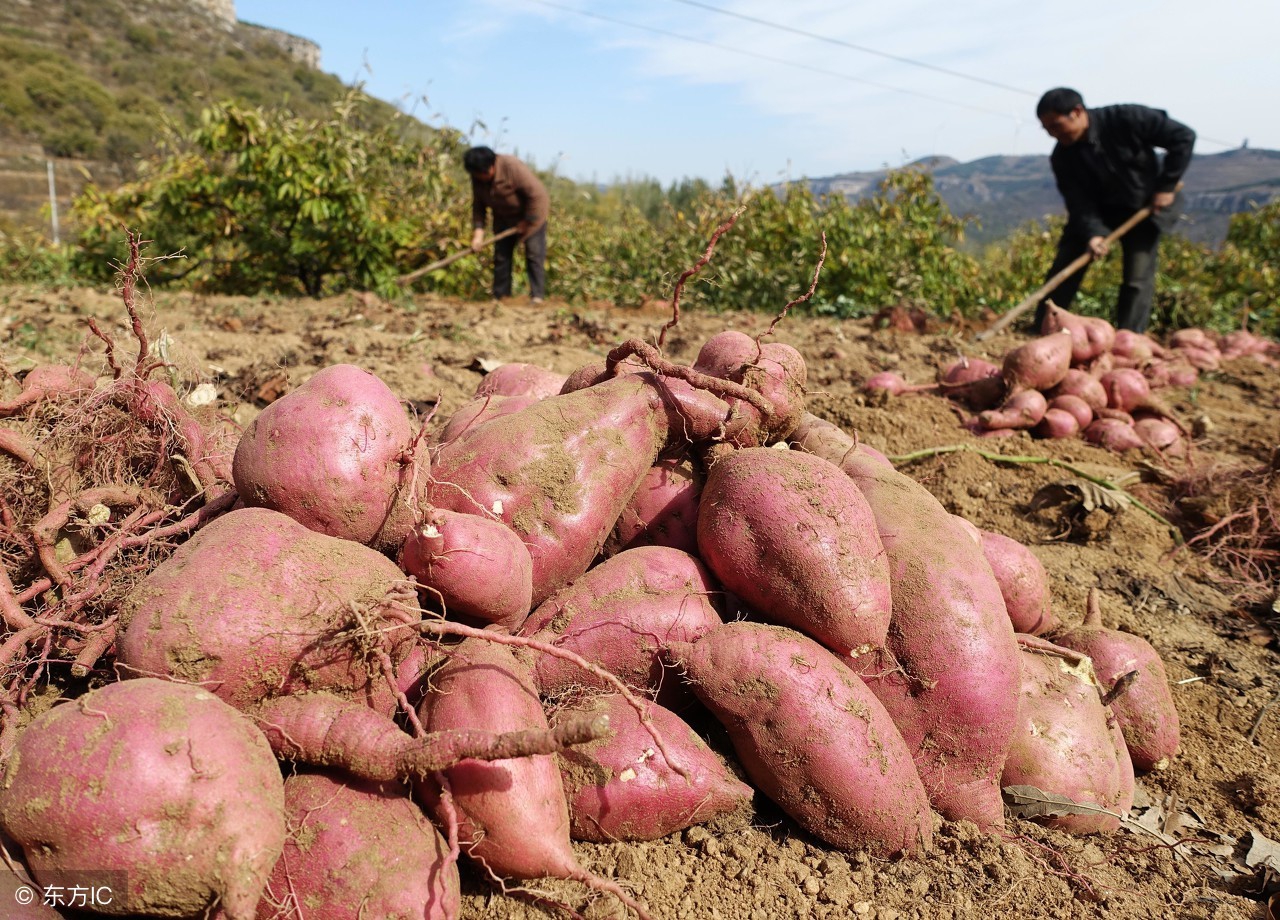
[261,200]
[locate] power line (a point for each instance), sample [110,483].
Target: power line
[863,48]
[770,58]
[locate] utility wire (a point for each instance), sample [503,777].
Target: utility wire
[863,48]
[771,59]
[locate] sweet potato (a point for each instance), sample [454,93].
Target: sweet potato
[1024,409]
[811,736]
[334,455]
[1024,585]
[621,788]
[949,673]
[1143,705]
[158,790]
[1076,406]
[256,605]
[474,567]
[663,511]
[513,814]
[775,370]
[1057,423]
[1038,364]
[974,382]
[621,614]
[479,411]
[1090,335]
[1067,743]
[521,379]
[790,535]
[1083,385]
[358,849]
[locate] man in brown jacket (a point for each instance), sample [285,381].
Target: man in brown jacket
[508,188]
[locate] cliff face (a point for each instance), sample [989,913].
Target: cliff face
[222,10]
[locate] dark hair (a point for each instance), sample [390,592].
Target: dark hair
[478,159]
[1059,101]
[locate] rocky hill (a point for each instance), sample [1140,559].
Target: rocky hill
[1003,192]
[87,84]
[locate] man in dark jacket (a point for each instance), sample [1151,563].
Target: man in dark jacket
[509,188]
[1106,168]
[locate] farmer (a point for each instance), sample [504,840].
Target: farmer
[504,185]
[1106,168]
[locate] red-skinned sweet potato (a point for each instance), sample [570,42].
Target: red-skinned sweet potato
[811,736]
[512,813]
[560,472]
[1068,743]
[475,567]
[773,369]
[621,614]
[949,673]
[1038,364]
[334,456]
[256,605]
[521,379]
[479,411]
[158,790]
[663,511]
[621,787]
[789,534]
[358,849]
[1143,706]
[1023,583]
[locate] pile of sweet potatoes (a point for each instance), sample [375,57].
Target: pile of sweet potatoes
[1081,377]
[511,629]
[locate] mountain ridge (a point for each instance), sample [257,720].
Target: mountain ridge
[1004,191]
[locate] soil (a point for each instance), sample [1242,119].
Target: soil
[1220,795]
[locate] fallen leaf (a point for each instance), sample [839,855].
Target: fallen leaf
[1030,802]
[1088,495]
[1262,852]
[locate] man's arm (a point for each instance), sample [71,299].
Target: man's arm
[533,195]
[1155,127]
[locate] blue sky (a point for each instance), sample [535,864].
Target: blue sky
[671,88]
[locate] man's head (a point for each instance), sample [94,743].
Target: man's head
[1062,114]
[479,162]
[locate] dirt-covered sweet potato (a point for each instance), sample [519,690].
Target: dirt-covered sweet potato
[949,673]
[794,538]
[256,605]
[620,787]
[521,379]
[512,814]
[358,849]
[474,567]
[621,614]
[158,790]
[811,736]
[479,411]
[1023,583]
[334,455]
[663,510]
[773,369]
[1143,704]
[1067,743]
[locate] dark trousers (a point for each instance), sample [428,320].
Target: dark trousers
[1137,288]
[535,259]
